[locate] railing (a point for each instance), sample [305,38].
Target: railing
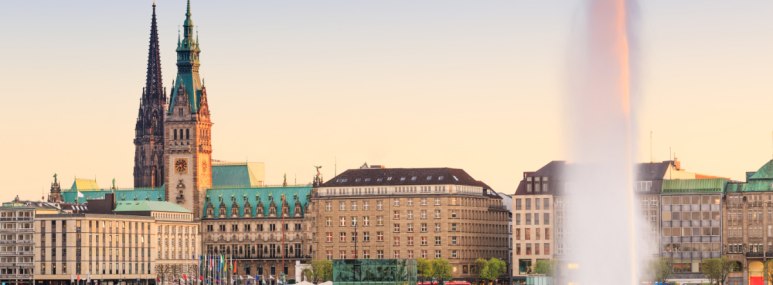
[15,276]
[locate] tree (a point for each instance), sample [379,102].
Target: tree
[491,269]
[717,269]
[543,267]
[321,271]
[441,269]
[308,274]
[424,268]
[660,269]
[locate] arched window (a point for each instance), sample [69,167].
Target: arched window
[187,134]
[175,134]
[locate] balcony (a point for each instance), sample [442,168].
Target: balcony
[759,255]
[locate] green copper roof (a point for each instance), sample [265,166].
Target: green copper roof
[765,172]
[152,194]
[693,186]
[228,198]
[149,206]
[236,175]
[81,184]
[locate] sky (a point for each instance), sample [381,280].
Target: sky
[478,85]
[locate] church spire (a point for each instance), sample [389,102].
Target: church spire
[149,131]
[153,84]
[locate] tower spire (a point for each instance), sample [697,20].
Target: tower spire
[149,131]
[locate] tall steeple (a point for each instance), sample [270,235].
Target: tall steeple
[188,66]
[149,130]
[188,145]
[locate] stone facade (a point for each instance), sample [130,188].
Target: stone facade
[383,213]
[264,230]
[149,130]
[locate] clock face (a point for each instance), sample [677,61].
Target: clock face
[181,165]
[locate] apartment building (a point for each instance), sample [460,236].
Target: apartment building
[17,240]
[398,213]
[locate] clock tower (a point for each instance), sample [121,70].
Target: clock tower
[187,128]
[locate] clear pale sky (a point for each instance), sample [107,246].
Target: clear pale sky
[476,85]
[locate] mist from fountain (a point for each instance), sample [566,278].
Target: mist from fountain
[604,236]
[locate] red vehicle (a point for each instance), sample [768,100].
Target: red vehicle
[446,283]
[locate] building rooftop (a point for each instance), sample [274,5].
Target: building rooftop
[378,176]
[149,206]
[235,175]
[243,198]
[81,184]
[694,186]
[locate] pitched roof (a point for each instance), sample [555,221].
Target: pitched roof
[650,171]
[149,206]
[403,176]
[237,175]
[153,194]
[81,184]
[765,172]
[227,198]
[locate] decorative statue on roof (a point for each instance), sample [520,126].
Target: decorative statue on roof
[318,177]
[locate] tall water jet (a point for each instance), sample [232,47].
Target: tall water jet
[603,241]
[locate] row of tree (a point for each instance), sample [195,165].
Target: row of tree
[440,269]
[715,269]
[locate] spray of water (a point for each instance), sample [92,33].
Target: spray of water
[603,241]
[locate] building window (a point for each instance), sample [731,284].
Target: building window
[396,254]
[380,254]
[328,206]
[354,221]
[437,254]
[396,240]
[424,241]
[396,215]
[453,240]
[423,214]
[329,236]
[379,220]
[354,205]
[342,206]
[328,222]
[437,227]
[528,204]
[409,214]
[342,221]
[342,236]
[437,214]
[396,228]
[366,205]
[546,219]
[410,240]
[437,201]
[410,227]
[366,254]
[379,205]
[396,202]
[366,221]
[379,236]
[423,227]
[366,236]
[423,201]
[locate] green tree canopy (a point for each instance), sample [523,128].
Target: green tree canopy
[660,269]
[544,267]
[717,269]
[491,269]
[424,268]
[441,269]
[321,271]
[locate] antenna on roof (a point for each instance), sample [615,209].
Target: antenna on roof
[651,158]
[335,166]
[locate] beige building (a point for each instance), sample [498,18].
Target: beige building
[136,243]
[539,210]
[16,239]
[383,213]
